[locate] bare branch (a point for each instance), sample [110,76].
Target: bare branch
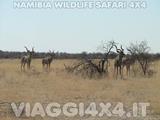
[140,51]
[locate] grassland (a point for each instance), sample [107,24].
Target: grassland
[58,86]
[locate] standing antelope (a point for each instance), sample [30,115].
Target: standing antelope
[27,59]
[118,61]
[48,59]
[128,62]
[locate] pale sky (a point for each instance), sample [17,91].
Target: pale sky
[73,30]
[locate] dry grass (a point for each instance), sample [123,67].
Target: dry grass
[58,86]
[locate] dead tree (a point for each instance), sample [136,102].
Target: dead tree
[89,67]
[106,47]
[141,52]
[85,68]
[27,59]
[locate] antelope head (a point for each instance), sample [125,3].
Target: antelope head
[51,53]
[120,51]
[30,52]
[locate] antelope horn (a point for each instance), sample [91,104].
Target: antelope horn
[129,50]
[118,50]
[26,48]
[122,48]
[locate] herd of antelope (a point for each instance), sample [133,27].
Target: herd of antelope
[26,59]
[120,62]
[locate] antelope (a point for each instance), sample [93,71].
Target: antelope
[27,59]
[127,62]
[118,61]
[48,60]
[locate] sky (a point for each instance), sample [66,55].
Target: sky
[77,30]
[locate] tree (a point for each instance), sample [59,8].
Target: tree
[106,47]
[141,53]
